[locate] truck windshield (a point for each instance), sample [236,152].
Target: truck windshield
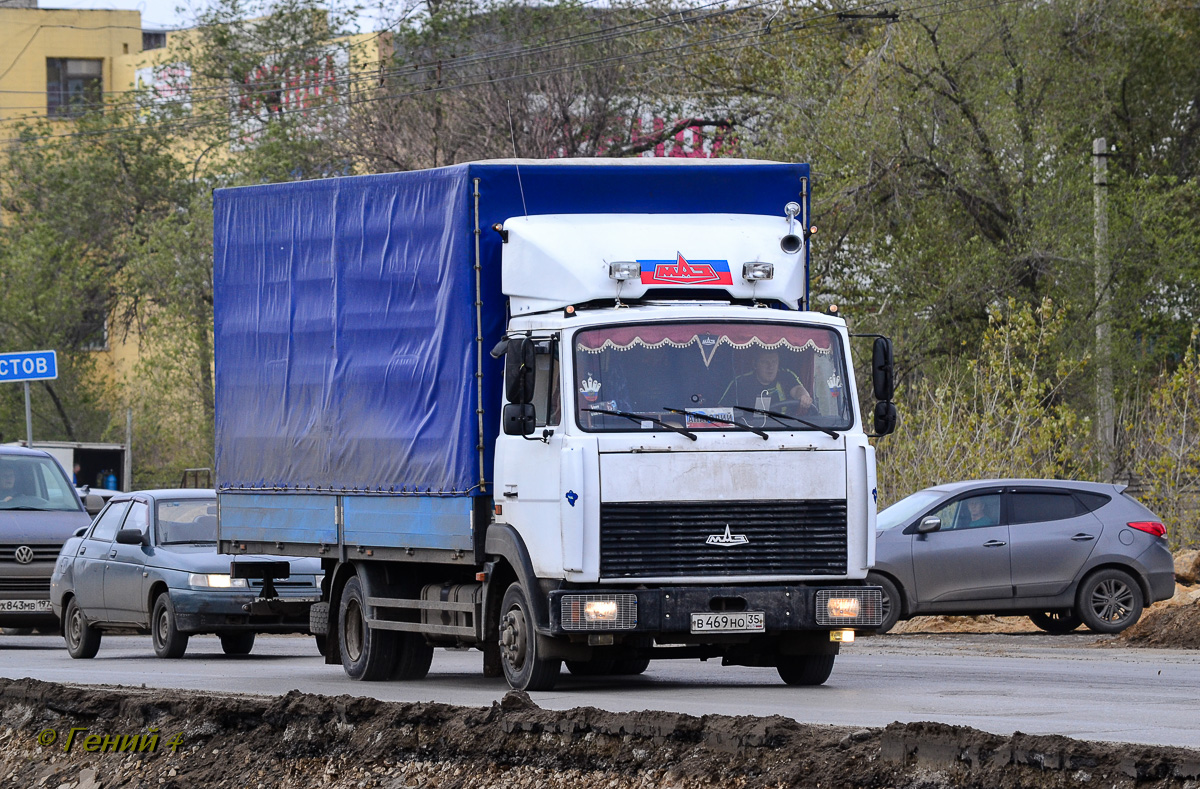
[756,374]
[34,483]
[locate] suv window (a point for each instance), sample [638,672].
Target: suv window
[109,521]
[971,513]
[1037,506]
[1091,501]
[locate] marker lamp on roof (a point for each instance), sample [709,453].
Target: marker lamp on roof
[753,272]
[622,270]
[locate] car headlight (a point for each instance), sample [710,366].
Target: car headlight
[215,581]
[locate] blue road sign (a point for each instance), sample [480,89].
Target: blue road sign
[28,366]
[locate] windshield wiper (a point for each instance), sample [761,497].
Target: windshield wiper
[719,419]
[26,508]
[640,418]
[778,417]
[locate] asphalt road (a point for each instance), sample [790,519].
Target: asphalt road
[998,683]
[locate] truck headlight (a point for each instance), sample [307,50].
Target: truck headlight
[599,611]
[858,607]
[843,607]
[215,581]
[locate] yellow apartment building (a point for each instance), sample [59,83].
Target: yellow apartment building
[57,64]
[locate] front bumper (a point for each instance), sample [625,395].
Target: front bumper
[668,610]
[207,611]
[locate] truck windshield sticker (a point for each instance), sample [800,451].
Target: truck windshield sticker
[682,271]
[589,389]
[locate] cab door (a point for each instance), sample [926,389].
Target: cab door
[530,489]
[967,559]
[125,579]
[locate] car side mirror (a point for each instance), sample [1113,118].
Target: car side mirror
[131,537]
[520,419]
[932,523]
[82,530]
[93,503]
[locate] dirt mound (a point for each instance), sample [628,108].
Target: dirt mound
[1170,624]
[308,741]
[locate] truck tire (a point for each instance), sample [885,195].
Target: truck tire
[239,642]
[1109,601]
[318,619]
[892,603]
[83,640]
[413,657]
[524,668]
[805,669]
[628,667]
[367,655]
[168,641]
[596,667]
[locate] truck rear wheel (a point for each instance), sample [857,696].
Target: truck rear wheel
[367,655]
[524,668]
[413,657]
[806,669]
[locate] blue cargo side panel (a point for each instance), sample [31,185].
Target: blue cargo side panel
[345,331]
[408,522]
[278,517]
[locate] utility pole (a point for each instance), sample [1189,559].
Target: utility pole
[1105,420]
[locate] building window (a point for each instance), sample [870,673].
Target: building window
[153,39]
[73,87]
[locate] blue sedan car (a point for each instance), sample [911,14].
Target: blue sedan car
[149,562]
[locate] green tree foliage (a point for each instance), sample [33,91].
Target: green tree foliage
[1164,437]
[1004,415]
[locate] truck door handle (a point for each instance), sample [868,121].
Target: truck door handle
[994,544]
[112,554]
[82,551]
[510,494]
[1081,537]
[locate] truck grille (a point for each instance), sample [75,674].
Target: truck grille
[686,538]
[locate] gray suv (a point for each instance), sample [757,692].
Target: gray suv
[39,511]
[1063,553]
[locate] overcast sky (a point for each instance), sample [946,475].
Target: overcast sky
[163,14]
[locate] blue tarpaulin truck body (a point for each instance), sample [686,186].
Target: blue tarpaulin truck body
[352,329]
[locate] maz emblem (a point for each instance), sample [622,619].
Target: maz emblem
[727,539]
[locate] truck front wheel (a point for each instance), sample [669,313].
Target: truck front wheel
[368,655]
[806,669]
[524,668]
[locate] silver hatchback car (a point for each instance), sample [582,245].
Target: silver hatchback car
[1062,553]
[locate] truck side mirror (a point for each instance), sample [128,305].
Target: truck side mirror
[520,419]
[883,375]
[519,370]
[885,418]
